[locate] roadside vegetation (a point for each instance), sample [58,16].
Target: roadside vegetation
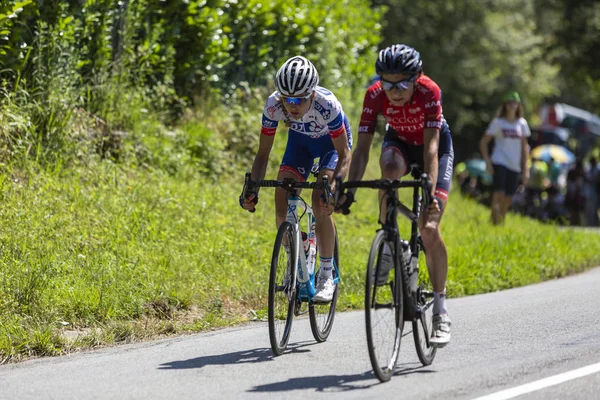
[126,128]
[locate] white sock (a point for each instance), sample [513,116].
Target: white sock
[439,303]
[326,266]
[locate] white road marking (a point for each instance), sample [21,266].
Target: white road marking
[542,383]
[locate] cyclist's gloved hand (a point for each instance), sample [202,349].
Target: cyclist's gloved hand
[344,206]
[248,201]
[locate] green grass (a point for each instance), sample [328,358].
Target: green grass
[101,253]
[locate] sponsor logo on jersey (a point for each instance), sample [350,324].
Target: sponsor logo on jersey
[267,123]
[434,124]
[391,111]
[404,119]
[448,173]
[323,91]
[414,110]
[322,110]
[297,126]
[408,128]
[271,111]
[367,110]
[363,129]
[314,127]
[376,92]
[433,104]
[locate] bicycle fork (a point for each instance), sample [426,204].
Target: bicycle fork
[306,289]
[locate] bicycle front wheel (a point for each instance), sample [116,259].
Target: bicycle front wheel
[384,301]
[322,314]
[423,326]
[282,288]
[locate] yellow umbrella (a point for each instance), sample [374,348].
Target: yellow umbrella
[558,153]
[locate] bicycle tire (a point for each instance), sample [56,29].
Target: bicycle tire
[383,363]
[321,330]
[275,313]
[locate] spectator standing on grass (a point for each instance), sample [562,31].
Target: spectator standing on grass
[590,192]
[510,131]
[574,200]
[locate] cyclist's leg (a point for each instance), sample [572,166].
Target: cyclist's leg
[437,255]
[393,162]
[324,149]
[296,164]
[325,229]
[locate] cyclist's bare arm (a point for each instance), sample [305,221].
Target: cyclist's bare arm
[360,157]
[259,167]
[343,166]
[430,155]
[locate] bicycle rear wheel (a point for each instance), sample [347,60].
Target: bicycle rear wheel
[423,326]
[384,315]
[322,314]
[282,289]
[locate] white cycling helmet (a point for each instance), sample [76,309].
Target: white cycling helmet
[297,76]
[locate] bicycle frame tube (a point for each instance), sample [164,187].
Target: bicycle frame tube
[414,233]
[305,279]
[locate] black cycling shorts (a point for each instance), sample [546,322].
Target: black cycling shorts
[414,155]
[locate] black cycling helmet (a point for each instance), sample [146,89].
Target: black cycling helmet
[399,59]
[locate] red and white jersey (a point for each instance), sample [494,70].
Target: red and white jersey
[424,110]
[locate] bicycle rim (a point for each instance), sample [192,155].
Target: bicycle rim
[323,314]
[383,312]
[282,289]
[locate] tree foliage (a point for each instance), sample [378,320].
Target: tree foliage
[113,57]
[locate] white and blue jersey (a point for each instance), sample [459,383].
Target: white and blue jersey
[310,136]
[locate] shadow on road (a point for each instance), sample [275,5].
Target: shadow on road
[238,357]
[327,383]
[411,368]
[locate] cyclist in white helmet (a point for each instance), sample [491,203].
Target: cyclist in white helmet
[318,128]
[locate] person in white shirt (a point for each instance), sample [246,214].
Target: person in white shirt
[509,158]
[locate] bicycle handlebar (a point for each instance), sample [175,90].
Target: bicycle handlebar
[288,184]
[387,184]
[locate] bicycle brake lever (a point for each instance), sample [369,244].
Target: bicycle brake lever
[326,189]
[247,186]
[338,190]
[427,186]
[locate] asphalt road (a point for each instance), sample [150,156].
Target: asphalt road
[539,342]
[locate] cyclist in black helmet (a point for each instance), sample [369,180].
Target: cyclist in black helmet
[416,132]
[318,128]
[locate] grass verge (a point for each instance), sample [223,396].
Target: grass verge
[101,254]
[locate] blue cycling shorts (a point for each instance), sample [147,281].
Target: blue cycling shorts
[302,150]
